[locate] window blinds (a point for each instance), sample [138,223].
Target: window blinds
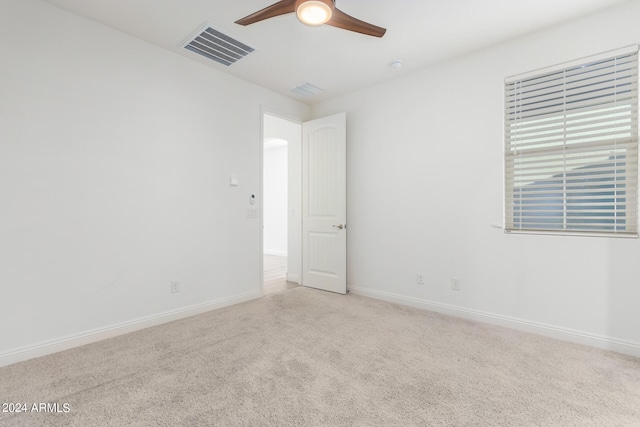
[571,147]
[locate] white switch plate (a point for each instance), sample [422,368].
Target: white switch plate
[175,286]
[233,181]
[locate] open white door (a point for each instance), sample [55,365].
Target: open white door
[324,203]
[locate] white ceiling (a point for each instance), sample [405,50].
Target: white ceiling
[419,32]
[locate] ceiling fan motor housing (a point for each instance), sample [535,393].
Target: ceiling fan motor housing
[330,3]
[314,12]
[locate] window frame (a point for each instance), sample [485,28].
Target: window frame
[558,120]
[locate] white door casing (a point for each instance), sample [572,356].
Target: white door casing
[324,204]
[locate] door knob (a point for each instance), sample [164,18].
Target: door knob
[339,226]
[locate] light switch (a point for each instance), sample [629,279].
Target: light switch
[233,181]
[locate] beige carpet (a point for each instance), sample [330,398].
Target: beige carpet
[305,357]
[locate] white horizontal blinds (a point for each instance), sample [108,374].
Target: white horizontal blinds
[571,148]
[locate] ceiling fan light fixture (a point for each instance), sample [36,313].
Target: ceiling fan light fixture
[314,12]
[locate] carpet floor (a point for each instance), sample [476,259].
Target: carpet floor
[304,357]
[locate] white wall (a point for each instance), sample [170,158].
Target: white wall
[275,197]
[411,210]
[291,131]
[115,159]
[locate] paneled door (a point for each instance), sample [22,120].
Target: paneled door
[324,204]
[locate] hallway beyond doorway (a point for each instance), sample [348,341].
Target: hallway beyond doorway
[275,274]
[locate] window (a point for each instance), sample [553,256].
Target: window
[571,147]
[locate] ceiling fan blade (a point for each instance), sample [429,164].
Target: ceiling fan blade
[340,19]
[281,8]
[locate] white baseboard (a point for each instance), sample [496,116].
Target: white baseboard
[276,253]
[579,337]
[65,343]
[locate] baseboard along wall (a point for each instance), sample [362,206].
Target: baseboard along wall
[65,343]
[578,337]
[294,278]
[275,253]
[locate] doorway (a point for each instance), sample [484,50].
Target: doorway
[281,202]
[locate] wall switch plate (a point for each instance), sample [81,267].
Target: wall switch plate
[455,284]
[175,286]
[420,279]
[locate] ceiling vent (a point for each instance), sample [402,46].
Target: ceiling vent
[217,46]
[306,89]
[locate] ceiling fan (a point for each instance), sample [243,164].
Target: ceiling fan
[314,12]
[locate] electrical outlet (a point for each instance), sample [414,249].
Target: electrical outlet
[420,279]
[455,284]
[175,286]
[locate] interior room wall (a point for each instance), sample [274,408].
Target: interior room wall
[425,185]
[115,166]
[275,197]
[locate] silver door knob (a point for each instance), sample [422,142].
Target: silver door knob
[339,226]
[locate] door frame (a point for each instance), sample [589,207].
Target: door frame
[293,119]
